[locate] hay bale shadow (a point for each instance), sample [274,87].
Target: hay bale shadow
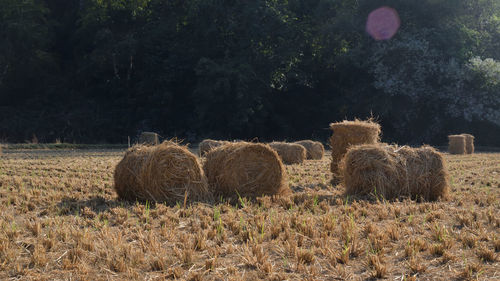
[97,204]
[297,188]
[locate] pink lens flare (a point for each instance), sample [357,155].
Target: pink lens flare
[383,23]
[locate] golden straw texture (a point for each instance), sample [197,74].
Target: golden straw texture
[247,169]
[348,133]
[392,172]
[165,173]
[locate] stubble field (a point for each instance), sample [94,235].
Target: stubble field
[60,220]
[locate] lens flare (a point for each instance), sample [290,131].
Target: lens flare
[383,23]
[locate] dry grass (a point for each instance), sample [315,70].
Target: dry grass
[60,220]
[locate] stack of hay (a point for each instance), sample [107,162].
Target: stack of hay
[164,173]
[245,169]
[392,172]
[290,153]
[469,143]
[149,138]
[349,133]
[461,144]
[208,144]
[457,144]
[315,149]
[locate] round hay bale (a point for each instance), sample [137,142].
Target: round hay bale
[469,143]
[149,138]
[164,173]
[391,172]
[427,173]
[373,169]
[457,144]
[315,149]
[290,153]
[208,144]
[247,169]
[348,133]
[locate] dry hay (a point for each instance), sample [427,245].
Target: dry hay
[164,173]
[427,172]
[245,169]
[457,144]
[469,143]
[392,172]
[315,149]
[290,153]
[208,144]
[348,133]
[149,138]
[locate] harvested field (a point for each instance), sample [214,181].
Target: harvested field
[60,219]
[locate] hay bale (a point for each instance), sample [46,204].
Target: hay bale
[469,143]
[290,153]
[162,173]
[315,149]
[373,169]
[348,133]
[457,144]
[427,173]
[149,138]
[247,169]
[392,172]
[208,144]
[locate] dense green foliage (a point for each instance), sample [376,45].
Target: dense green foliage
[102,70]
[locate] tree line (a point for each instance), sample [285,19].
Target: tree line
[97,71]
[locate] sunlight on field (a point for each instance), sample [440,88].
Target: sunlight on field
[59,219]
